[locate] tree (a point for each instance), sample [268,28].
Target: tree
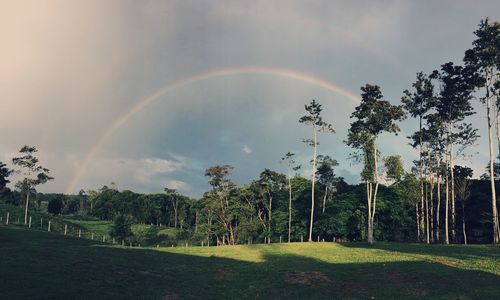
[4,173]
[172,195]
[220,194]
[289,160]
[418,104]
[122,227]
[462,179]
[34,174]
[484,60]
[394,168]
[372,117]
[326,176]
[313,118]
[55,206]
[82,202]
[270,183]
[452,107]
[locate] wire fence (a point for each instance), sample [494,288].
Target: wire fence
[12,216]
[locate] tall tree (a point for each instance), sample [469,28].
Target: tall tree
[34,174]
[291,167]
[453,106]
[418,104]
[484,59]
[313,118]
[372,117]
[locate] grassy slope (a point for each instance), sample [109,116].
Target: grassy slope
[75,227]
[37,264]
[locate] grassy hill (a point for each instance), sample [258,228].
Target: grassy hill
[89,227]
[36,264]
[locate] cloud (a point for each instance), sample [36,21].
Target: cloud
[246,149]
[176,184]
[69,70]
[142,174]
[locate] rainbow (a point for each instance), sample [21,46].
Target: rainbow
[146,100]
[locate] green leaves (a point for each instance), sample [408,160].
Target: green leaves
[314,117]
[372,117]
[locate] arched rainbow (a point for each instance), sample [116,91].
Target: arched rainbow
[144,101]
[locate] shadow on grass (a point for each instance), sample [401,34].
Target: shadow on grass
[37,265]
[462,252]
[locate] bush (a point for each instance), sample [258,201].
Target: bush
[55,206]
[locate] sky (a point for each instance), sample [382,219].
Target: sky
[148,94]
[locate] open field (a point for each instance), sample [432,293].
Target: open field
[38,264]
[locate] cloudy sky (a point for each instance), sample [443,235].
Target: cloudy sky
[148,94]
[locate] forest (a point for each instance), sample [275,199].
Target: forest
[436,201]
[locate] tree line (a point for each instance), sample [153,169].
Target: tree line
[427,203]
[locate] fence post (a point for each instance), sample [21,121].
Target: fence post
[280,239]
[48,229]
[7,221]
[79,233]
[318,238]
[92,236]
[65,229]
[29,226]
[301,238]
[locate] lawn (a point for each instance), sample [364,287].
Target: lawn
[38,264]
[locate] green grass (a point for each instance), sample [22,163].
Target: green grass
[97,227]
[36,264]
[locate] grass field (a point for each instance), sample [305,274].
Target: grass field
[37,264]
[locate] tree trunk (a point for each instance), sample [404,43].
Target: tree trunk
[27,203]
[418,222]
[427,239]
[196,222]
[175,213]
[324,198]
[453,211]
[313,181]
[421,170]
[463,221]
[369,233]
[447,203]
[289,205]
[432,210]
[494,212]
[270,212]
[373,197]
[438,212]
